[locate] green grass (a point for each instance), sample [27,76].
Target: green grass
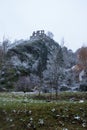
[25,112]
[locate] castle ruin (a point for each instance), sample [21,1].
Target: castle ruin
[37,34]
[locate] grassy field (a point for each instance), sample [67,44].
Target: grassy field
[30,112]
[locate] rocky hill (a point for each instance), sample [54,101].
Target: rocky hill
[32,62]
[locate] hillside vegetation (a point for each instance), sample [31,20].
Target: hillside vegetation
[39,62]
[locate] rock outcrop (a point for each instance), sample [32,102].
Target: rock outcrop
[34,59]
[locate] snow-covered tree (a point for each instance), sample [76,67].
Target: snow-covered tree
[50,34]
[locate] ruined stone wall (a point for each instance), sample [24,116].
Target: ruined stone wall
[37,34]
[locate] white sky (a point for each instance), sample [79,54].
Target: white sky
[64,18]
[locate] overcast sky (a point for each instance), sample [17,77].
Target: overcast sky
[64,18]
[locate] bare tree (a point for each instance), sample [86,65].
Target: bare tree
[23,84]
[82,56]
[1,56]
[35,81]
[3,51]
[55,70]
[5,45]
